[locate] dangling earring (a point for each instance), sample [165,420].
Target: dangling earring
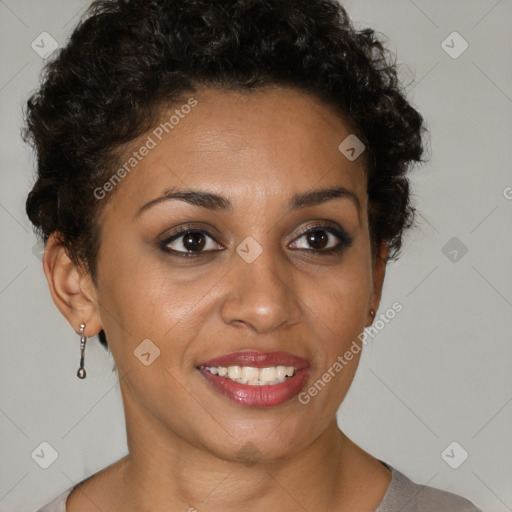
[81,373]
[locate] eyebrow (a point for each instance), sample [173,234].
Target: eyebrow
[216,202]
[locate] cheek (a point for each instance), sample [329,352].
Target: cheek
[339,324]
[144,298]
[340,301]
[339,316]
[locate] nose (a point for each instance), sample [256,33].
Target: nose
[260,295]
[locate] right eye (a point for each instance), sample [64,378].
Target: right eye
[190,243]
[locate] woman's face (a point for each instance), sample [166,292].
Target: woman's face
[254,281]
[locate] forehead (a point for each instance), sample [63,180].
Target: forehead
[266,143]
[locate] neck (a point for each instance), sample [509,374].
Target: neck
[163,471]
[166,471]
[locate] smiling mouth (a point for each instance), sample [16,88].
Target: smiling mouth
[268,376]
[256,379]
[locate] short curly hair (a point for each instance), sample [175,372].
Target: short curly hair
[127,59]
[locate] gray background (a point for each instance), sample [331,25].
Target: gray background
[438,373]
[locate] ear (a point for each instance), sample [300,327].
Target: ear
[71,287]
[378,272]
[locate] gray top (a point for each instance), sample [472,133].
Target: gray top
[402,495]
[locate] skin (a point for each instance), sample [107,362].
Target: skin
[184,438]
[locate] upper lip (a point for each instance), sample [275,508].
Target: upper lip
[258,359]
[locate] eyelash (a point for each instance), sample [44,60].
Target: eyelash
[345,240]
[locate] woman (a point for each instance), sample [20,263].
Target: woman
[220,187]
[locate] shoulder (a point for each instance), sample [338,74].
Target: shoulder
[61,503]
[408,496]
[58,504]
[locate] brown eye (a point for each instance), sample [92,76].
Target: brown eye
[194,241]
[322,240]
[190,242]
[317,239]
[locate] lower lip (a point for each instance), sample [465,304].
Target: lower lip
[258,396]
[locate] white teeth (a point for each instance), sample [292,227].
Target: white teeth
[268,374]
[281,372]
[234,372]
[254,376]
[250,373]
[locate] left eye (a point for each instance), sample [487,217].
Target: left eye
[319,239]
[188,242]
